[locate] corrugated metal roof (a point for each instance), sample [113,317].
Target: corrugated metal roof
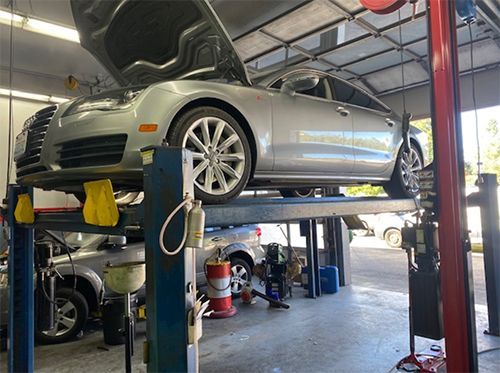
[342,37]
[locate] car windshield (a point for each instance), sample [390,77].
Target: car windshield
[79,239]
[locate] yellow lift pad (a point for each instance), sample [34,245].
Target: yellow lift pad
[100,205]
[24,212]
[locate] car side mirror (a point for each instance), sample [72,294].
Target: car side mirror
[299,83]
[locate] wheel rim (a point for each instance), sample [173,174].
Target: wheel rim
[218,155]
[64,318]
[410,165]
[303,193]
[239,277]
[394,238]
[125,198]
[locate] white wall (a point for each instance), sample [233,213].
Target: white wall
[23,109]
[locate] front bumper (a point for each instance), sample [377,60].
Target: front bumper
[100,144]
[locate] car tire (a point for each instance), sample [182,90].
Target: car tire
[393,238]
[241,273]
[403,183]
[206,131]
[75,310]
[301,193]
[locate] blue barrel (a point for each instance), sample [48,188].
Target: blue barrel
[329,279]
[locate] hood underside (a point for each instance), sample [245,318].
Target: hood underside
[147,41]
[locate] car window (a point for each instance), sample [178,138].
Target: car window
[346,93]
[322,89]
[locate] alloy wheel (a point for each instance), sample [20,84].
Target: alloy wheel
[218,155]
[64,318]
[410,165]
[239,277]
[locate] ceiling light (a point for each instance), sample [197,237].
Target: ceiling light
[39,26]
[33,96]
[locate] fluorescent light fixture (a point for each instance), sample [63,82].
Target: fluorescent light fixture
[33,96]
[39,26]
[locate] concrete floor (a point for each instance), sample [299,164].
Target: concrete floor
[362,328]
[358,329]
[375,265]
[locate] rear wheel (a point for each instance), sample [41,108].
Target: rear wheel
[70,317]
[404,182]
[302,193]
[393,237]
[221,153]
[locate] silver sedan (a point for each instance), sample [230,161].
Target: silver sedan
[184,85]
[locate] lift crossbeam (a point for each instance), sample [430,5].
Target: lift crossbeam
[243,211]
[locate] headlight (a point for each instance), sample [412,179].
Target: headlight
[112,100]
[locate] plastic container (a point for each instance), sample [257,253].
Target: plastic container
[329,279]
[112,319]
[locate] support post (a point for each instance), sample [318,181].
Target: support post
[21,288]
[306,230]
[454,246]
[169,279]
[333,237]
[487,200]
[317,275]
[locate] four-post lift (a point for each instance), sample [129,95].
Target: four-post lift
[167,177]
[169,291]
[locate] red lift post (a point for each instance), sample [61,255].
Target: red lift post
[454,246]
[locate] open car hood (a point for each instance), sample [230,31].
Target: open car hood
[147,41]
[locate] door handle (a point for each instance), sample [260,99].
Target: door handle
[389,122]
[342,111]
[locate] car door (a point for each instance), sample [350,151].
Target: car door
[376,130]
[309,135]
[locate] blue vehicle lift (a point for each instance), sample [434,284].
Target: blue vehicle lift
[167,176]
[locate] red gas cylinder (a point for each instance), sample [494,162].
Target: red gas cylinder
[219,289]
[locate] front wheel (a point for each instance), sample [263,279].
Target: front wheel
[301,193]
[222,160]
[241,273]
[70,317]
[122,198]
[405,182]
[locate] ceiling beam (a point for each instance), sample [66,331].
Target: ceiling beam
[495,65]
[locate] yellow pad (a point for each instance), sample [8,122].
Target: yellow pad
[24,212]
[100,205]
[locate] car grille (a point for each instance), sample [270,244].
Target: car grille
[93,151]
[36,134]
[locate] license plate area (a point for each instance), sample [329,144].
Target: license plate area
[20,146]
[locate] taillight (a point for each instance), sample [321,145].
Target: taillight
[258,231]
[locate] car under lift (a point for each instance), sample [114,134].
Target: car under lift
[167,178]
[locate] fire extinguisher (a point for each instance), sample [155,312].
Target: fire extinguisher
[194,226]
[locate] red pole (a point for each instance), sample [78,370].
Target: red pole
[454,247]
